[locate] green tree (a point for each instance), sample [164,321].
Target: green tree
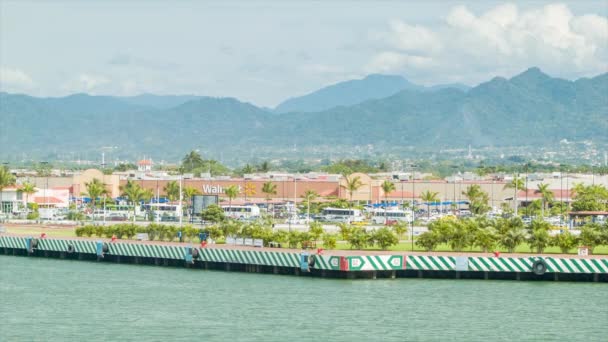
[591,236]
[192,161]
[351,185]
[510,233]
[428,240]
[28,189]
[385,238]
[358,238]
[316,230]
[345,230]
[429,197]
[387,187]
[213,213]
[329,241]
[135,193]
[310,195]
[485,238]
[546,196]
[589,198]
[565,241]
[189,192]
[516,184]
[270,189]
[6,179]
[232,192]
[400,228]
[95,188]
[538,235]
[478,199]
[264,166]
[172,190]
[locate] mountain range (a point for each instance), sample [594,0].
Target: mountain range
[531,108]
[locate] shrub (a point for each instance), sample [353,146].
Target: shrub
[384,238]
[329,241]
[33,216]
[428,240]
[564,241]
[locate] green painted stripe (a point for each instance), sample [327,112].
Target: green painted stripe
[448,262]
[598,265]
[381,263]
[436,263]
[490,265]
[427,266]
[589,268]
[556,264]
[370,259]
[576,263]
[414,261]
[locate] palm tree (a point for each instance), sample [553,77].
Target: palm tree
[95,188]
[6,179]
[429,196]
[269,189]
[352,185]
[135,193]
[478,199]
[231,191]
[193,159]
[387,188]
[516,184]
[546,195]
[310,195]
[28,189]
[172,190]
[264,167]
[188,192]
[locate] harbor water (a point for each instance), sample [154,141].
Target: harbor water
[60,300]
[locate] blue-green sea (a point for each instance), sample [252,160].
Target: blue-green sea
[60,300]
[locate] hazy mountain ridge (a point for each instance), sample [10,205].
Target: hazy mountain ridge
[531,108]
[352,92]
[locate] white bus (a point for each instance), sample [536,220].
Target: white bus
[342,215]
[380,216]
[241,211]
[164,211]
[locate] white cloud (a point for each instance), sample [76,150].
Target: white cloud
[14,80]
[504,40]
[87,83]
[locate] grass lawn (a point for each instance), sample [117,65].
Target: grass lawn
[67,232]
[523,248]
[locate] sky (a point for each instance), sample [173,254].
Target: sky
[264,52]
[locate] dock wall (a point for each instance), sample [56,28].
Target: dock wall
[351,266]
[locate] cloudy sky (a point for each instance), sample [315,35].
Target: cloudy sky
[266,51]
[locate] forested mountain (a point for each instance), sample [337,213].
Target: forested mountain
[347,93]
[531,108]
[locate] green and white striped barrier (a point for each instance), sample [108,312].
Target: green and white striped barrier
[13,242]
[323,262]
[430,263]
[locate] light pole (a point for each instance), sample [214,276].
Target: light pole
[4,165]
[413,211]
[46,175]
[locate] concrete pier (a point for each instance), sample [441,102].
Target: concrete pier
[327,265]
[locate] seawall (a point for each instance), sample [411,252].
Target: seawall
[349,265]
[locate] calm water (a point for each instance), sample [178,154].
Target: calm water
[58,300]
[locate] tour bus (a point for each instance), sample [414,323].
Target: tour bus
[241,211]
[342,215]
[164,211]
[115,211]
[381,216]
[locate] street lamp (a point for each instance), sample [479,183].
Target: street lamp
[46,186]
[1,191]
[412,167]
